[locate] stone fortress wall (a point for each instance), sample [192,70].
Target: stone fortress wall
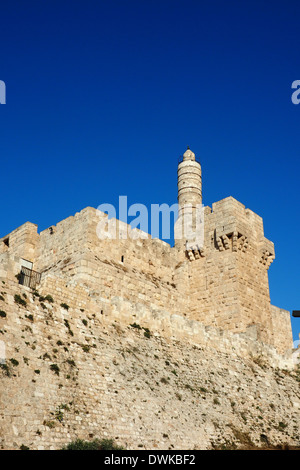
[214,297]
[224,283]
[226,286]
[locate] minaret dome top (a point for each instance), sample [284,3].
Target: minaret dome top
[189,155]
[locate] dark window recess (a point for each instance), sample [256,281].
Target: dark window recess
[6,242]
[29,278]
[122,259]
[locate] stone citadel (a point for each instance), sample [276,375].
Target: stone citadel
[213,296]
[224,283]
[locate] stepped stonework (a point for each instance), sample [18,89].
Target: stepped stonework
[152,345]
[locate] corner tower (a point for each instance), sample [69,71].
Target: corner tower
[224,272]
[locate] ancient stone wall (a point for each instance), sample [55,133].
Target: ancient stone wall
[224,285]
[144,377]
[124,336]
[281,327]
[133,269]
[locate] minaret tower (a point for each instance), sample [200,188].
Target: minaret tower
[189,197]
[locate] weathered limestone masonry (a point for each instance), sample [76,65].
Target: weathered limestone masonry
[72,372]
[224,283]
[230,278]
[72,355]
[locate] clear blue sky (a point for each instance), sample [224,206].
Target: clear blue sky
[103,97]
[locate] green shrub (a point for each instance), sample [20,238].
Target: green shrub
[147,333]
[59,414]
[2,314]
[65,306]
[18,299]
[55,368]
[71,362]
[35,293]
[49,424]
[96,444]
[136,325]
[109,444]
[281,425]
[69,328]
[6,369]
[14,362]
[139,327]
